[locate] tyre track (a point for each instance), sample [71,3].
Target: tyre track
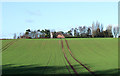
[8,45]
[67,59]
[66,64]
[67,68]
[79,61]
[48,62]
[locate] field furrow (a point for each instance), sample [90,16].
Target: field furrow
[59,56]
[77,60]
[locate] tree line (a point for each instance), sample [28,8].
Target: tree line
[94,31]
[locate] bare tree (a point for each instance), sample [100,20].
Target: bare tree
[80,29]
[84,29]
[101,28]
[89,31]
[14,36]
[75,32]
[109,30]
[93,29]
[116,31]
[72,30]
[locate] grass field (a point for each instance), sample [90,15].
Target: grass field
[52,56]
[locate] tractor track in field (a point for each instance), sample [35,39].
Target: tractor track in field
[78,60]
[66,64]
[67,68]
[67,59]
[8,45]
[48,59]
[47,63]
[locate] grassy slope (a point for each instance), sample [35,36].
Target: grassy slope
[34,56]
[80,69]
[98,54]
[45,55]
[5,42]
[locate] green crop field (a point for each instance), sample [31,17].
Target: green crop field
[91,56]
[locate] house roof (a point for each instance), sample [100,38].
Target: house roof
[60,36]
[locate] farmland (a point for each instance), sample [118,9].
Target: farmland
[76,56]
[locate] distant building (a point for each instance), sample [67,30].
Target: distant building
[60,36]
[51,34]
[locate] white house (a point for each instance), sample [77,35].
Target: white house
[51,34]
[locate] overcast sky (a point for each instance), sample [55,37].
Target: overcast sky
[19,16]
